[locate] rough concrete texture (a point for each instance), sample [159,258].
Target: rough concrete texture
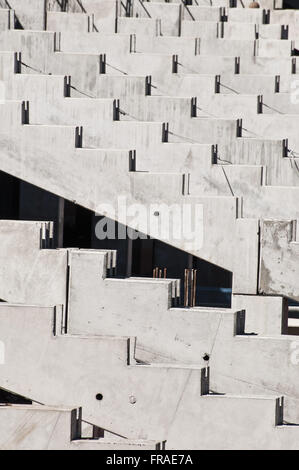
[163,103]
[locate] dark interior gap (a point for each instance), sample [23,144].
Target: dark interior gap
[74,226]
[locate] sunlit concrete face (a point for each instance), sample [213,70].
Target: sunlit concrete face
[177,124]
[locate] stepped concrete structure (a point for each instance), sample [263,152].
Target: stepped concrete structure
[149,205]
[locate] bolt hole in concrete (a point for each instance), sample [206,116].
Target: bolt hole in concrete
[99,397]
[132,400]
[206,357]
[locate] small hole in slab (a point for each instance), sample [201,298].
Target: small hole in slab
[99,397]
[206,357]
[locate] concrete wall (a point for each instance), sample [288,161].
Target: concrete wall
[73,332]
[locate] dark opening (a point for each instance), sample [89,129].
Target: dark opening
[9,196]
[99,396]
[290,4]
[13,398]
[22,201]
[213,285]
[75,226]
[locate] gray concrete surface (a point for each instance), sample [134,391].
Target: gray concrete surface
[207,97]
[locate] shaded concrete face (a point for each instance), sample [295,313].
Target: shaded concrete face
[160,103]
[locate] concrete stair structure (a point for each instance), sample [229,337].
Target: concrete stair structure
[36,427]
[165,104]
[133,400]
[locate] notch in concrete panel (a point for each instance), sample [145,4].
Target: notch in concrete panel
[161,445]
[117,14]
[186,184]
[178,292]
[263,175]
[239,208]
[175,64]
[214,152]
[59,320]
[239,127]
[132,43]
[131,350]
[18,62]
[165,132]
[110,261]
[237,65]
[285,148]
[64,5]
[67,86]
[11,19]
[260,104]
[51,235]
[25,112]
[217,84]
[277,84]
[284,34]
[116,110]
[129,8]
[54,321]
[107,265]
[256,31]
[43,237]
[175,292]
[47,238]
[197,46]
[45,8]
[57,41]
[294,66]
[180,20]
[279,411]
[148,85]
[158,27]
[79,137]
[220,30]
[121,8]
[64,325]
[132,160]
[223,15]
[205,381]
[293,231]
[266,16]
[239,327]
[76,424]
[194,107]
[91,27]
[102,63]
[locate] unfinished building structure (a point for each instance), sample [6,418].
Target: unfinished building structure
[149,342]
